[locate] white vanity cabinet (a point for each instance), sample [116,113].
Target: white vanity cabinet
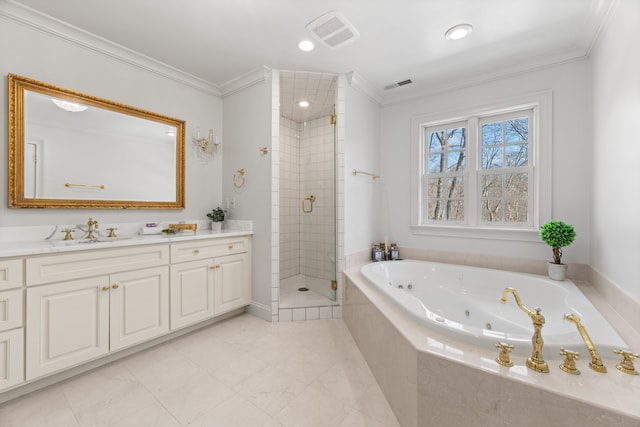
[64,306]
[209,278]
[11,323]
[87,314]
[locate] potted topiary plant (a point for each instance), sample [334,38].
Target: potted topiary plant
[216,216]
[557,234]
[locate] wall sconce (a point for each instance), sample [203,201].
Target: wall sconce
[205,148]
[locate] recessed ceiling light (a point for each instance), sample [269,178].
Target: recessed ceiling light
[306,45]
[458,32]
[303,104]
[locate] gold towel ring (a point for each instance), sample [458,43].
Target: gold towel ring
[238,178]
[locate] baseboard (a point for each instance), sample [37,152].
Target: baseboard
[259,310]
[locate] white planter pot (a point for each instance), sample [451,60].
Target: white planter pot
[557,271]
[216,226]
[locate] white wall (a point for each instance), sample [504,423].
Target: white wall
[247,127]
[571,159]
[39,52]
[615,69]
[362,221]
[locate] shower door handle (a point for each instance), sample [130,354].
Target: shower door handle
[311,199]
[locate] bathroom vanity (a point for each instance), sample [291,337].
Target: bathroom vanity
[63,304]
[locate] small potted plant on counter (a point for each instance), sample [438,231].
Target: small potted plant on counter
[557,234]
[216,216]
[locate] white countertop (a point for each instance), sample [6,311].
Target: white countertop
[23,248]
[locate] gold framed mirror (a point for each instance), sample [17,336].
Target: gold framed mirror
[72,150]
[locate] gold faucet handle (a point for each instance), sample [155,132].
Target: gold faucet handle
[503,358]
[569,365]
[67,235]
[112,232]
[626,365]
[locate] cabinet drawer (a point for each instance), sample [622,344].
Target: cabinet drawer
[201,249]
[10,274]
[54,268]
[10,309]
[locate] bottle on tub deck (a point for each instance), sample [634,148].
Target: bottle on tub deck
[394,253]
[377,254]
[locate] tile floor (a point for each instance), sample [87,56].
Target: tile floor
[241,372]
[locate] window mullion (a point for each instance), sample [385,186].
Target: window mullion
[471,196]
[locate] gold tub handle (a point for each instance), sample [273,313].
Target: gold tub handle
[311,199]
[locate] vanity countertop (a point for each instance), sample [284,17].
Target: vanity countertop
[23,248]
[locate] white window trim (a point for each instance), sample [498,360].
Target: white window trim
[541,103]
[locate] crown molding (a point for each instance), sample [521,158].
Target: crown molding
[243,81]
[357,82]
[28,17]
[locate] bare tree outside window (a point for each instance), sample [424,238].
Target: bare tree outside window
[504,192]
[446,165]
[500,179]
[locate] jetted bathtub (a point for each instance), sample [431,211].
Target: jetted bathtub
[464,302]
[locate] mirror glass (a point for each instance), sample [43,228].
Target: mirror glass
[68,149]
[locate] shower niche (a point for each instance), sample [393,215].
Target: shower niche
[307,190]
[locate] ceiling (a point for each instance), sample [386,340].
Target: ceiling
[219,40]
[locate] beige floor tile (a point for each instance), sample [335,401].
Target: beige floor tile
[314,408]
[271,389]
[374,405]
[44,408]
[356,418]
[235,412]
[239,372]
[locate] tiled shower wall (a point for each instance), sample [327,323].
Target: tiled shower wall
[289,199]
[307,159]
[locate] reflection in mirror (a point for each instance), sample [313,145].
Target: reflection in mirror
[67,149]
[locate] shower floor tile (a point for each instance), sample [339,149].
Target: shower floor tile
[291,297]
[294,374]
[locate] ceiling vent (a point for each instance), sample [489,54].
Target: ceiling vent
[333,30]
[398,84]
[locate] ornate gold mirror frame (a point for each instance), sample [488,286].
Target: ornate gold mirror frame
[88,195]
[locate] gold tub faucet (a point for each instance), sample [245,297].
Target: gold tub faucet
[536,361]
[596,362]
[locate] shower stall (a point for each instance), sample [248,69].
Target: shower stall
[307,190]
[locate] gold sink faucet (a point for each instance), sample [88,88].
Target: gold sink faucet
[596,362]
[536,361]
[91,224]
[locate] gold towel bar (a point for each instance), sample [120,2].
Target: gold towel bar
[67,184]
[373,176]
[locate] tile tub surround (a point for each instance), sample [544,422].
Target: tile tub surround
[431,379]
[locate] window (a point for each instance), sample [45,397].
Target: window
[486,171]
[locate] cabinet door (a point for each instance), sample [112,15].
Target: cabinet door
[67,324]
[191,292]
[139,306]
[232,284]
[11,358]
